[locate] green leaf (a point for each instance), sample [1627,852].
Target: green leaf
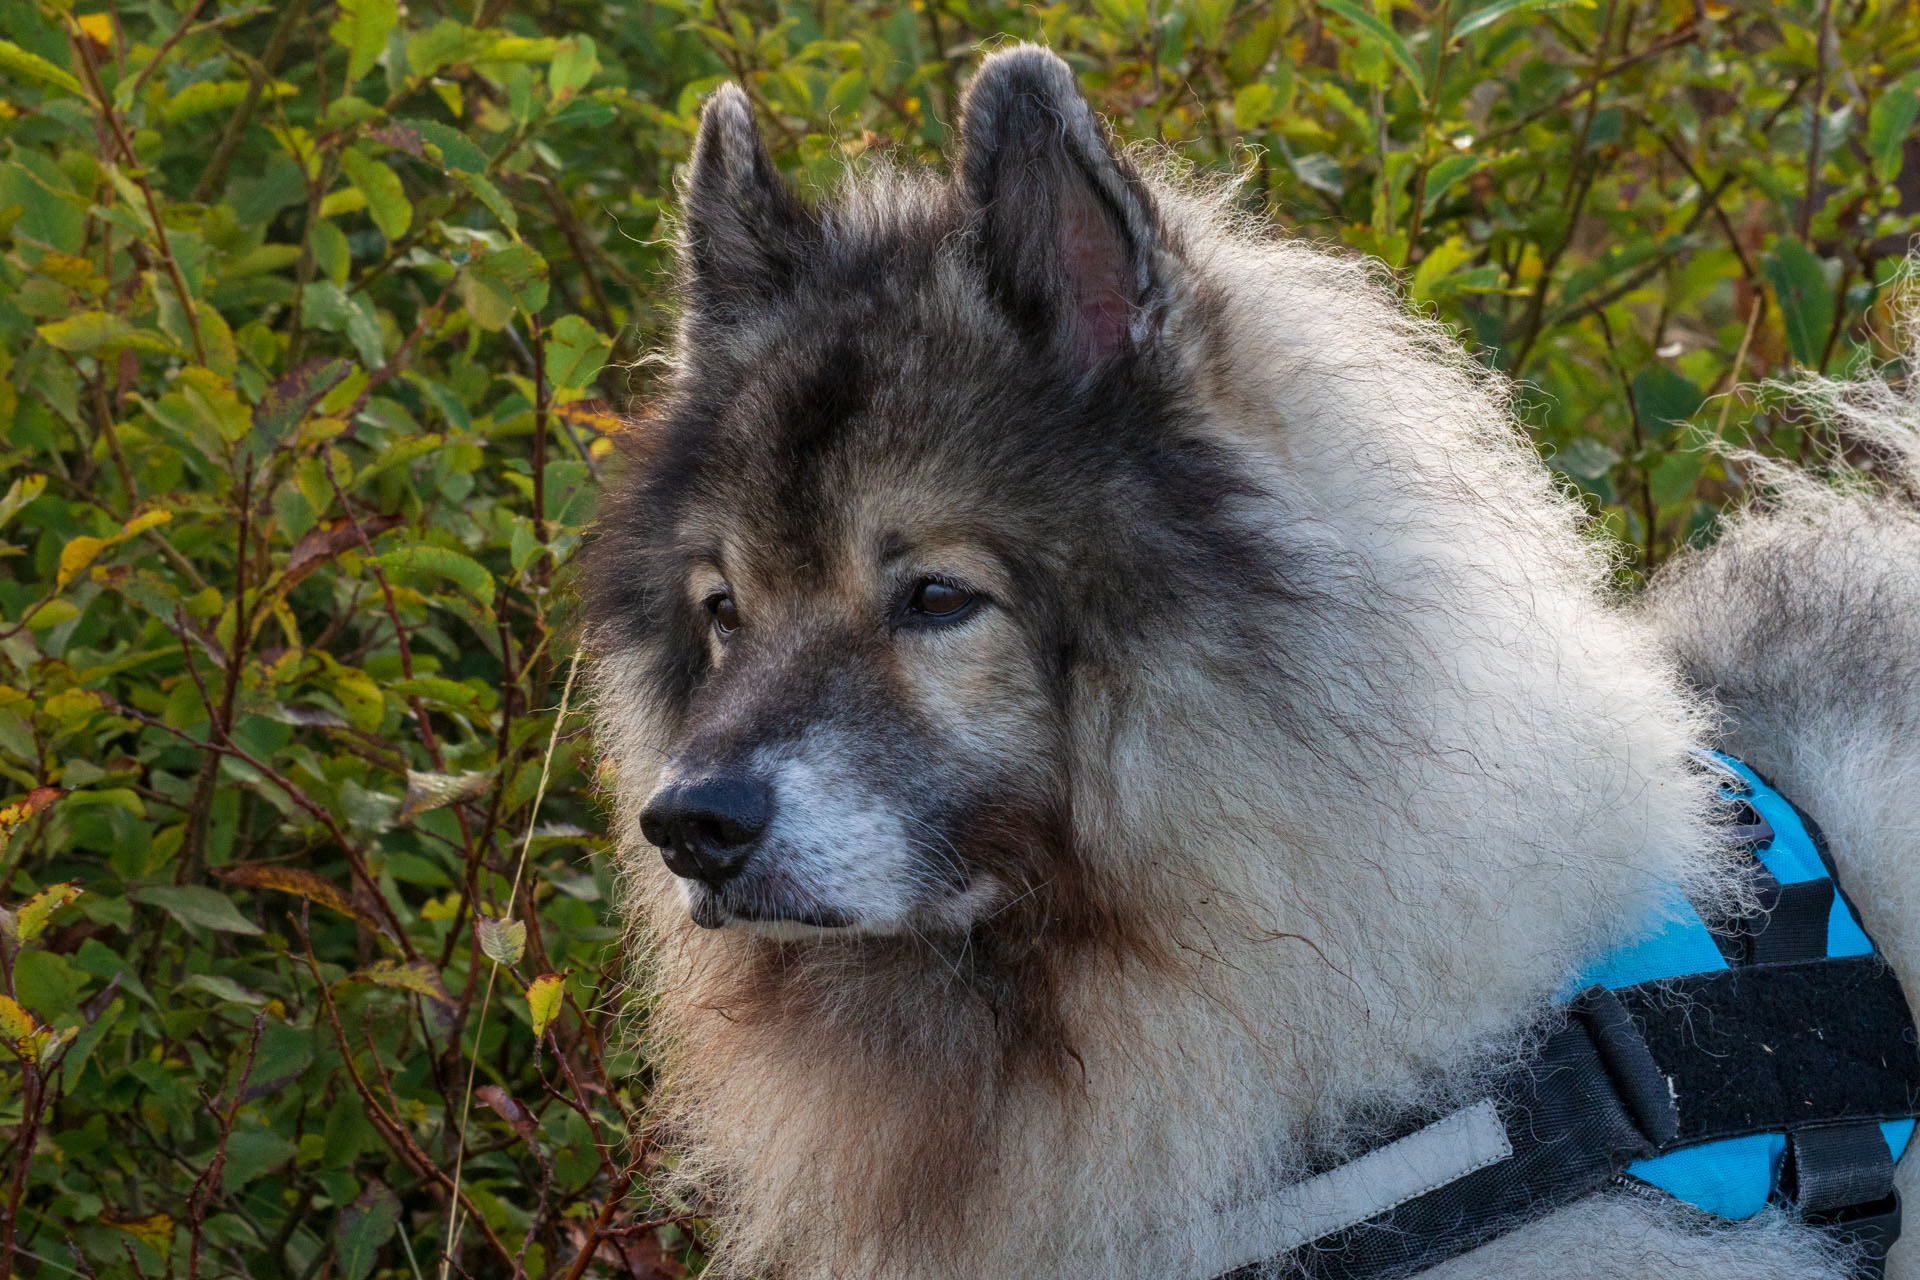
[252,1153]
[325,305]
[489,195]
[450,148]
[1488,14]
[573,65]
[362,29]
[575,353]
[365,1227]
[1806,303]
[359,696]
[503,941]
[1254,105]
[22,65]
[207,96]
[421,557]
[1441,262]
[224,989]
[1586,458]
[443,43]
[386,199]
[192,904]
[87,332]
[1665,399]
[1890,124]
[1377,32]
[23,490]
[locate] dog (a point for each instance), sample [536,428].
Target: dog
[1106,704]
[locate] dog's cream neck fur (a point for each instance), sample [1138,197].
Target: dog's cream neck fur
[1499,789]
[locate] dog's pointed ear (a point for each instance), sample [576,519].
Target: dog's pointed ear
[746,236]
[1068,234]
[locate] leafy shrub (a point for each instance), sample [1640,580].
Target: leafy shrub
[313,315]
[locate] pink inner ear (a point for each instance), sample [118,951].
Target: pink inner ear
[1096,269]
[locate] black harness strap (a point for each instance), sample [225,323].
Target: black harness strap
[1786,1040]
[1596,1097]
[1780,1046]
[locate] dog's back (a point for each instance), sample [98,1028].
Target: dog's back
[1802,623]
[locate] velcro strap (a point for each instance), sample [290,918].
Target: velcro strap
[1781,1046]
[1838,1166]
[1794,924]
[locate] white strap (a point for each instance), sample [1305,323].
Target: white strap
[1446,1150]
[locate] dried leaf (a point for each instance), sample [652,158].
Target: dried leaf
[12,815]
[510,1111]
[504,941]
[429,791]
[287,401]
[544,997]
[307,884]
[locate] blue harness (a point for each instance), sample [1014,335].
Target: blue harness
[1735,1177]
[1726,1063]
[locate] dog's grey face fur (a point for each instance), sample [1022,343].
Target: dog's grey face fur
[969,388]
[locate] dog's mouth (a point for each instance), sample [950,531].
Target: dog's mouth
[716,909]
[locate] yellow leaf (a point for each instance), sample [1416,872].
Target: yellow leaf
[78,554]
[417,976]
[15,1022]
[155,1230]
[213,400]
[97,27]
[144,521]
[544,996]
[82,551]
[38,910]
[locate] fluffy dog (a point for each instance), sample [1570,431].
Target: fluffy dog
[1124,708]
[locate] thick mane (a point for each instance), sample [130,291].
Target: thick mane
[1331,857]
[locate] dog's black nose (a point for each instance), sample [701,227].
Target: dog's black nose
[706,829]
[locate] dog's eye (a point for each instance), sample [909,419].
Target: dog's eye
[938,600]
[726,614]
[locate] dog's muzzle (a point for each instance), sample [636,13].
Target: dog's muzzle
[708,828]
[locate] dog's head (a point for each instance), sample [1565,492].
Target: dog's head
[921,479]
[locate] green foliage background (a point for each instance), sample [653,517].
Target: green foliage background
[311,316]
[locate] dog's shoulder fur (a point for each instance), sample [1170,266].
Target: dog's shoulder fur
[1384,764]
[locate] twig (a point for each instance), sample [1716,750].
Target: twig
[223,151]
[454,1221]
[135,174]
[1813,120]
[204,1184]
[1739,361]
[166,47]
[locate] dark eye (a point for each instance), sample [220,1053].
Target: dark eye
[932,598]
[726,614]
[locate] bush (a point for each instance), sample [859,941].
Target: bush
[316,319]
